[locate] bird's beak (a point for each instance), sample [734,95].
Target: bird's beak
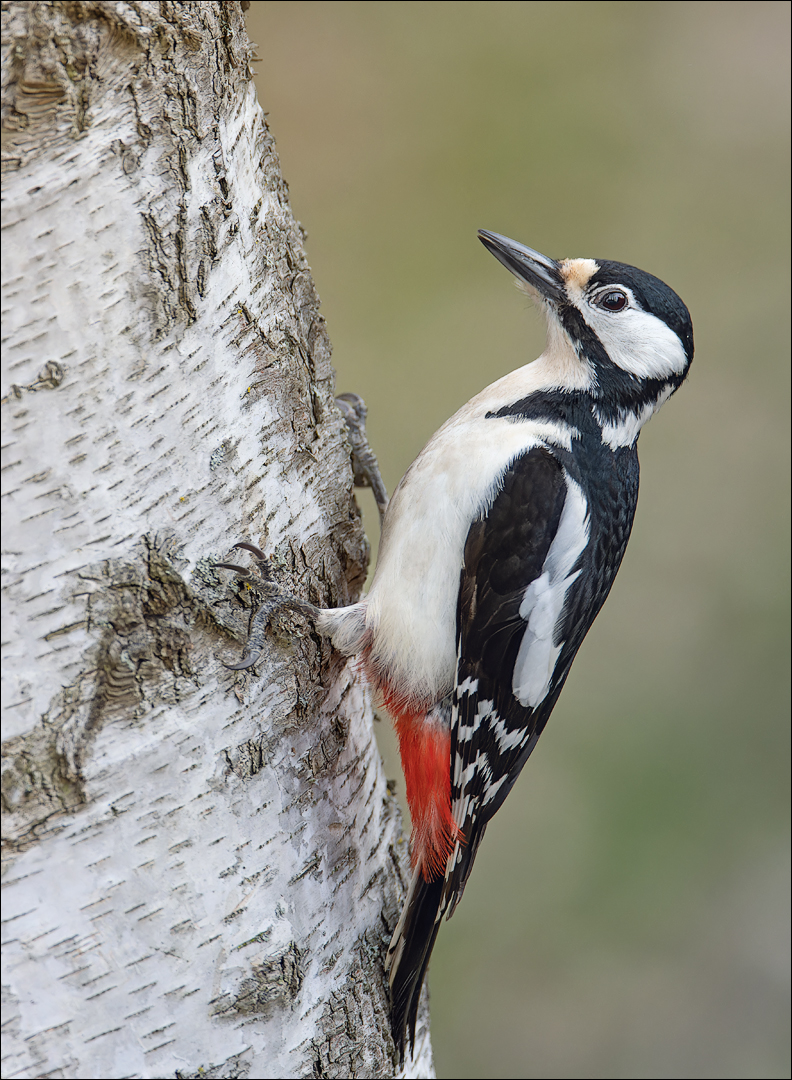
[537,271]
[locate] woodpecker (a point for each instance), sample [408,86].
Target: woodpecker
[498,549]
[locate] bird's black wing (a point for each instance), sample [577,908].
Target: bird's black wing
[537,569]
[514,546]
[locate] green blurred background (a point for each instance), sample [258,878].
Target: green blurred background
[628,912]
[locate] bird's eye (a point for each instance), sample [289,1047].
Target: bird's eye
[615,300]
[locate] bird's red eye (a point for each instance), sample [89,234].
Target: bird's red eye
[612,301]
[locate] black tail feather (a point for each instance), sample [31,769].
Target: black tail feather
[409,953]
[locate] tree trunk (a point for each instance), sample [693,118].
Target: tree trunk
[202,867]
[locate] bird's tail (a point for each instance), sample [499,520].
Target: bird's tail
[409,952]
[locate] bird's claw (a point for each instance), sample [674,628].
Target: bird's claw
[260,571]
[273,602]
[364,463]
[244,665]
[243,571]
[260,556]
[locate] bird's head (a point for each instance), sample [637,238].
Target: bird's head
[630,332]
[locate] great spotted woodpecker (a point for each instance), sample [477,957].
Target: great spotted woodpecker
[498,549]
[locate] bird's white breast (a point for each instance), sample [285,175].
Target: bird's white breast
[411,607]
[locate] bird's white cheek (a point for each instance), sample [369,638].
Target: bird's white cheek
[639,343]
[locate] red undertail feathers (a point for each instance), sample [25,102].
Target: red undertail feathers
[425,749]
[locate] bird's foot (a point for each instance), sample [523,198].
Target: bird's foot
[364,462]
[274,600]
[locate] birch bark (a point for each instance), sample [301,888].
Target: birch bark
[201,868]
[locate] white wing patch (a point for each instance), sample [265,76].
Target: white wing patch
[462,777]
[469,686]
[543,601]
[507,738]
[484,711]
[492,790]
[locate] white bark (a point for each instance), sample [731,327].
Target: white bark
[201,869]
